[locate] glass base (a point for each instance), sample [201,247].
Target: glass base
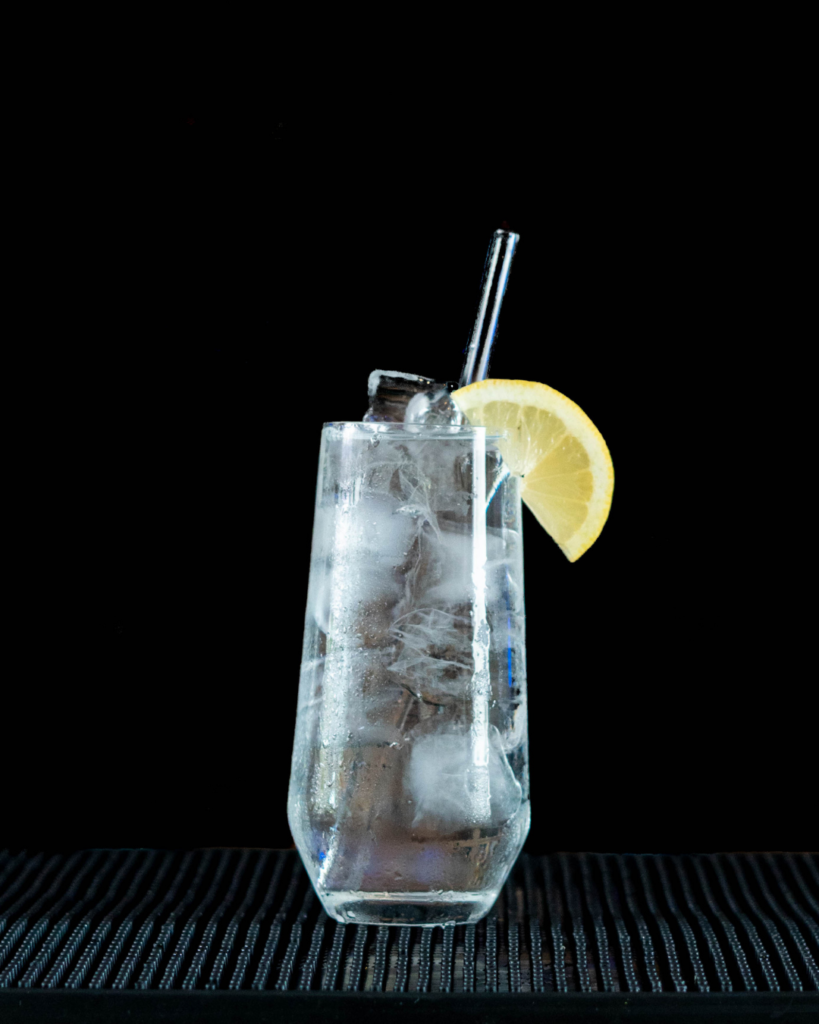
[419,909]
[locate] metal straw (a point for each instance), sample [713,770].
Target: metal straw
[493,287]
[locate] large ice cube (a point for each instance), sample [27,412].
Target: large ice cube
[434,408]
[438,779]
[451,574]
[390,391]
[382,530]
[368,541]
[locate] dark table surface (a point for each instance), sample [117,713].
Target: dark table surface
[232,934]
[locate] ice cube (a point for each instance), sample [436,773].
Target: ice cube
[383,530]
[451,572]
[390,391]
[372,539]
[438,778]
[434,408]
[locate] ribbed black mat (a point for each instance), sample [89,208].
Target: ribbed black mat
[239,935]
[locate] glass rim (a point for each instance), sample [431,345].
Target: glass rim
[437,430]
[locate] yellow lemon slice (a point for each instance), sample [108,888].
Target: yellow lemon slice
[568,476]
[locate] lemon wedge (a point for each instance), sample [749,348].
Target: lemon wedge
[566,469]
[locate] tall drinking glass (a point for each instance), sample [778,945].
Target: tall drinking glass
[409,789]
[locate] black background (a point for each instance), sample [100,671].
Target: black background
[256,267]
